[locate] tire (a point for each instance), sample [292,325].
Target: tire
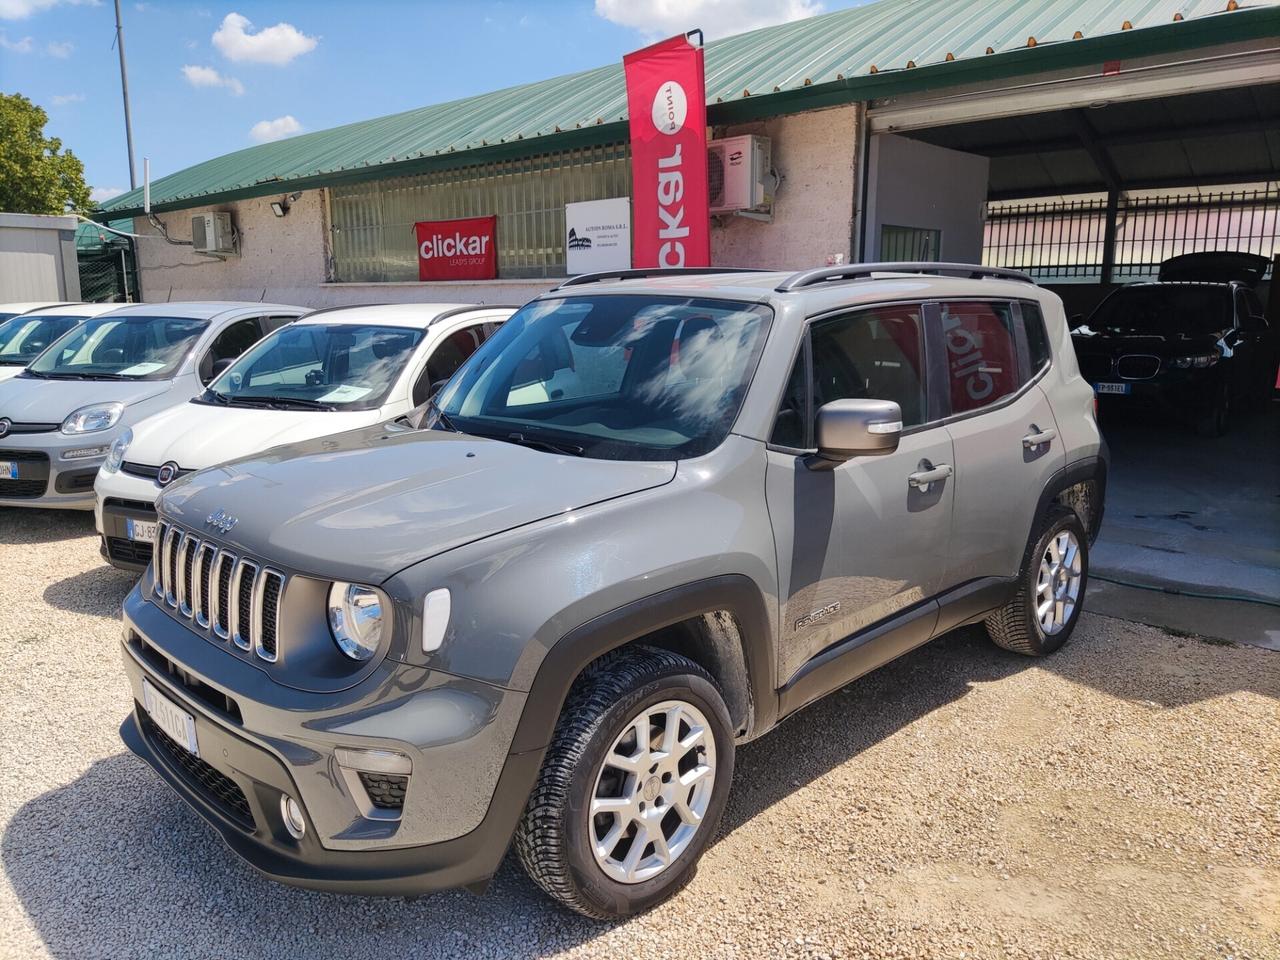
[1016,626]
[1216,421]
[556,838]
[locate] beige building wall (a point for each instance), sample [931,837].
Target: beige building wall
[813,211]
[285,259]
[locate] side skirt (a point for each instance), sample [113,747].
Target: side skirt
[859,654]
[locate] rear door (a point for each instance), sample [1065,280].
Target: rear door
[1006,443]
[859,543]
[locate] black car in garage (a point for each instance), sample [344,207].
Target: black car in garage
[1196,341]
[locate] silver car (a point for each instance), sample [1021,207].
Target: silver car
[60,415]
[653,516]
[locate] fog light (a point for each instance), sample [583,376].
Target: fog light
[291,814]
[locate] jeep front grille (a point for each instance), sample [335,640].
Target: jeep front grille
[231,596]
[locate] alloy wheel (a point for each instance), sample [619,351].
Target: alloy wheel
[652,791]
[1058,583]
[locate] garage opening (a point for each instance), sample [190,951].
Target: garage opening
[1091,184]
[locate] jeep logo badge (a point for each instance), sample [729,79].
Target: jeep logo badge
[221,520]
[167,474]
[5,424]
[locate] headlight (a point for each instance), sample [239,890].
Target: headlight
[93,418]
[1197,362]
[115,456]
[356,616]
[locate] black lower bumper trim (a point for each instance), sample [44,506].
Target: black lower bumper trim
[469,861]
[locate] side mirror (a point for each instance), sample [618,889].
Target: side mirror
[856,428]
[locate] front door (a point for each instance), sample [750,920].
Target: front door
[862,542]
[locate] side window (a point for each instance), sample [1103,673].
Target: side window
[228,345]
[1037,336]
[272,324]
[875,354]
[982,354]
[448,356]
[789,429]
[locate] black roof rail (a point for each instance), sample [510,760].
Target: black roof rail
[643,273]
[864,271]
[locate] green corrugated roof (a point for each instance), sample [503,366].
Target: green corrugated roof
[808,63]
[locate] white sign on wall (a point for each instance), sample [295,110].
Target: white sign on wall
[597,235]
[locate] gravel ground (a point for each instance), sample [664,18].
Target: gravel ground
[1120,799]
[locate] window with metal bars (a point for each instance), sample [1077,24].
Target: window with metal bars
[372,223]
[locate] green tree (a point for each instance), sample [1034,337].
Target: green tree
[36,174]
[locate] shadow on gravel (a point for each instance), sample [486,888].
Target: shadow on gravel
[114,865]
[20,525]
[98,592]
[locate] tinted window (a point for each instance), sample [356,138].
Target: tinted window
[875,354]
[1037,336]
[790,429]
[621,377]
[229,344]
[982,354]
[1252,316]
[445,360]
[350,366]
[1176,310]
[121,348]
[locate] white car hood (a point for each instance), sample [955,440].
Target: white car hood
[31,400]
[199,435]
[8,373]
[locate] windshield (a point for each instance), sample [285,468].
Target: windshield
[325,366]
[23,338]
[120,348]
[1177,311]
[612,377]
[7,316]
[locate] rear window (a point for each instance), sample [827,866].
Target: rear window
[1170,310]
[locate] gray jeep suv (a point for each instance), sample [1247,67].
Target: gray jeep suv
[653,516]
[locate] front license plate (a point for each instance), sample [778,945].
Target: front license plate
[170,717]
[8,470]
[141,530]
[1111,387]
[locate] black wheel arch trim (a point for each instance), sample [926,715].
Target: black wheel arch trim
[735,593]
[1090,468]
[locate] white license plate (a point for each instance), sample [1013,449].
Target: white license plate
[170,717]
[1111,387]
[140,530]
[8,470]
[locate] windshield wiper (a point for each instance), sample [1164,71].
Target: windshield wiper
[534,443]
[442,418]
[15,363]
[213,396]
[84,376]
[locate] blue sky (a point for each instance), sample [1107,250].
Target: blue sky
[208,78]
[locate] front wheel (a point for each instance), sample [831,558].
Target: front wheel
[633,785]
[1055,571]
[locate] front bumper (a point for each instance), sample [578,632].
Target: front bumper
[258,739]
[46,478]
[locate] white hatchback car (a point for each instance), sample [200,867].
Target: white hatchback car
[60,415]
[334,370]
[24,336]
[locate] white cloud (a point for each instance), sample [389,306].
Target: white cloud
[21,9]
[716,18]
[60,50]
[278,45]
[103,194]
[25,45]
[61,99]
[264,131]
[208,77]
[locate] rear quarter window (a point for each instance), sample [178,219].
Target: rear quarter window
[1037,336]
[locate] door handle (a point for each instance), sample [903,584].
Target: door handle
[1038,437]
[922,479]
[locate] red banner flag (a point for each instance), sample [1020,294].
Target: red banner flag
[667,105]
[458,249]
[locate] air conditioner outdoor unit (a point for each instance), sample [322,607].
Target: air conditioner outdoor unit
[212,233]
[738,169]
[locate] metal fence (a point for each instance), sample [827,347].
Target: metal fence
[373,236]
[1065,240]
